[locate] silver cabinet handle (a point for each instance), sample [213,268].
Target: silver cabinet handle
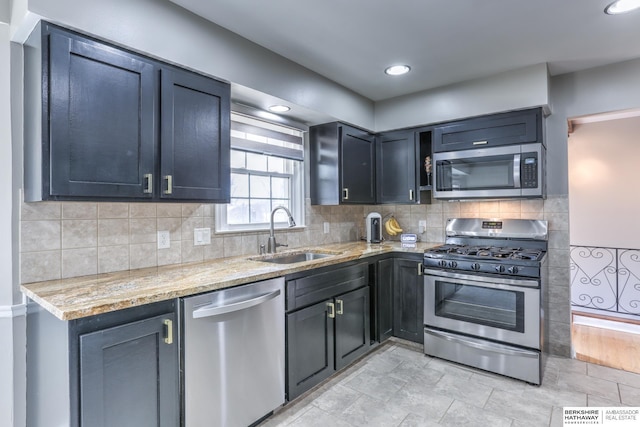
[214,310]
[168,339]
[516,171]
[169,189]
[480,142]
[345,194]
[332,310]
[420,269]
[148,183]
[340,306]
[411,194]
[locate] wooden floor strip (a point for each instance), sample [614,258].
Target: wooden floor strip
[607,347]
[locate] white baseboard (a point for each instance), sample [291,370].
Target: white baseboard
[9,311]
[606,324]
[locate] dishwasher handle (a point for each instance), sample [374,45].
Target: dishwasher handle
[214,310]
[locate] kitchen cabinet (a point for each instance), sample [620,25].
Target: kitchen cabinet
[400,171]
[119,368]
[342,165]
[327,323]
[408,299]
[396,177]
[499,129]
[104,123]
[383,307]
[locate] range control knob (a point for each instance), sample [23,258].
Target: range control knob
[500,268]
[475,266]
[453,264]
[513,270]
[442,263]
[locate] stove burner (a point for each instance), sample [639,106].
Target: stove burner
[481,252]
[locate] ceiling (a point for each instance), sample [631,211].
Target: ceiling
[444,41]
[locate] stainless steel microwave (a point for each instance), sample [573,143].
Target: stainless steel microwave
[508,171]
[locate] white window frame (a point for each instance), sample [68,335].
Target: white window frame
[296,192]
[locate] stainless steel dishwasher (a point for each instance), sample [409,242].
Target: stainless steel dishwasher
[233,349]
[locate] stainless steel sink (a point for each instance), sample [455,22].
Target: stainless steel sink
[288,258]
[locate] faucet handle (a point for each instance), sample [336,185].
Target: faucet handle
[281,244]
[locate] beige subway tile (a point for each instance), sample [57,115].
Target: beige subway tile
[510,207]
[435,235]
[40,211]
[531,206]
[171,255]
[79,262]
[113,258]
[250,243]
[113,232]
[143,255]
[215,250]
[79,210]
[169,210]
[79,233]
[188,225]
[40,266]
[208,210]
[558,204]
[232,245]
[191,253]
[113,210]
[191,210]
[557,220]
[142,230]
[172,225]
[40,236]
[489,209]
[558,239]
[142,210]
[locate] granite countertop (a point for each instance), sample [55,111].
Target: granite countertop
[84,296]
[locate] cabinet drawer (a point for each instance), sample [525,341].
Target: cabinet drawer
[318,287]
[500,129]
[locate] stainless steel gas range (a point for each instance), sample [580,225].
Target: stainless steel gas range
[484,291]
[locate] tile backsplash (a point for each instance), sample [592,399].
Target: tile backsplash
[68,239]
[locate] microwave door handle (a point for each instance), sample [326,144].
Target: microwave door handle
[516,171]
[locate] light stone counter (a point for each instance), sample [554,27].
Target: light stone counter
[84,296]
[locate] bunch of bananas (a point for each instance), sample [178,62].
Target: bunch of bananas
[392,227]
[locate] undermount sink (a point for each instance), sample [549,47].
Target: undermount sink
[288,258]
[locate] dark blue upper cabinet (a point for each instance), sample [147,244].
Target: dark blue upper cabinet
[96,129]
[195,137]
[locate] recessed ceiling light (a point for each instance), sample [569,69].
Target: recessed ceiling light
[397,70]
[279,108]
[622,6]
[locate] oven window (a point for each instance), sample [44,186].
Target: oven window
[503,309]
[476,173]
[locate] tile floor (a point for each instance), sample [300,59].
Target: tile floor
[397,385]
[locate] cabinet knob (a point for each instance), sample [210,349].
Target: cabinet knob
[169,189]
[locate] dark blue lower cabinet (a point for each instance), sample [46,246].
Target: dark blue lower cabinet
[129,375]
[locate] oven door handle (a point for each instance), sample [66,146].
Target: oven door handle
[481,344]
[482,279]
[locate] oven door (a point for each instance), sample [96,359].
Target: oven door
[509,171]
[499,309]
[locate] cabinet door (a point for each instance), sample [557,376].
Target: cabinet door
[195,120]
[396,168]
[310,344]
[384,296]
[129,375]
[353,337]
[357,166]
[500,129]
[101,104]
[408,300]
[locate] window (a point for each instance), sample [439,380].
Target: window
[267,171]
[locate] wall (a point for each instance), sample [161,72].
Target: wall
[512,90]
[603,183]
[166,31]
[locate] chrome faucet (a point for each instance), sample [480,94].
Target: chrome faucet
[271,243]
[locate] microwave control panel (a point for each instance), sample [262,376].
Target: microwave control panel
[529,170]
